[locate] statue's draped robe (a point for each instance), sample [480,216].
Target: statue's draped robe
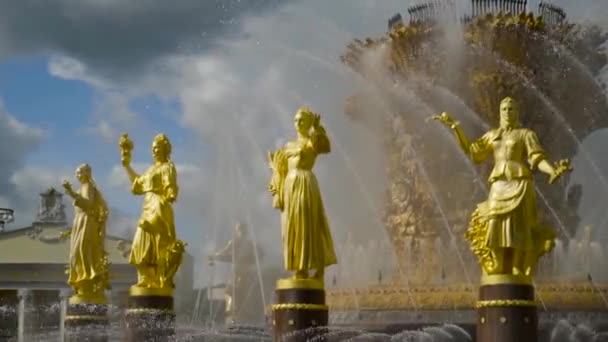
[510,212]
[87,244]
[307,242]
[156,228]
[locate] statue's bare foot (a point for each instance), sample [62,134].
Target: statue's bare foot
[517,271]
[301,274]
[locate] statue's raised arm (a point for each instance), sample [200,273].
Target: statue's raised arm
[319,139]
[447,120]
[126,146]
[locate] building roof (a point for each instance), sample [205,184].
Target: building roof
[37,245]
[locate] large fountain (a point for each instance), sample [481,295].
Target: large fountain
[466,62]
[425,286]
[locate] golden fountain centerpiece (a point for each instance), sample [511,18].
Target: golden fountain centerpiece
[469,64]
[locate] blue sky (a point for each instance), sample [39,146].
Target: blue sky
[223,83]
[64,110]
[42,100]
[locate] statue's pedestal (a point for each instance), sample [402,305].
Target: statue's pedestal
[299,312]
[86,321]
[506,310]
[150,316]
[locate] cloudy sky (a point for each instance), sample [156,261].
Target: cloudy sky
[221,77]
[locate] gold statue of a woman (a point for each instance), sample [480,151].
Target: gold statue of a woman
[155,250]
[88,269]
[504,231]
[307,242]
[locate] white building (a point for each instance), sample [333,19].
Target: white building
[33,279]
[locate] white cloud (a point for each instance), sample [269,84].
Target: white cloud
[15,129]
[17,140]
[72,69]
[117,38]
[118,177]
[121,224]
[104,130]
[35,179]
[115,107]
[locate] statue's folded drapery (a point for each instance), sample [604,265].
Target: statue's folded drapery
[88,264]
[307,242]
[156,228]
[510,211]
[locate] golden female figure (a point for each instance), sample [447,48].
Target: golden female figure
[505,232]
[155,251]
[307,242]
[88,270]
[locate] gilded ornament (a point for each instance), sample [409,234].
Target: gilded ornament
[505,303]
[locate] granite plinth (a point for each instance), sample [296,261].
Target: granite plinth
[506,313]
[86,322]
[299,313]
[150,318]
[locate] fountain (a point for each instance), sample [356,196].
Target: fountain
[496,49]
[470,61]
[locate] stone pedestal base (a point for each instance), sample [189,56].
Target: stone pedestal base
[150,316]
[299,312]
[506,310]
[86,322]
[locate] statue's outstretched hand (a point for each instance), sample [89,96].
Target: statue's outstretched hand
[67,186]
[445,119]
[561,167]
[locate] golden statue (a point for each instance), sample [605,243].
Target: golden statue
[88,268]
[307,241]
[155,251]
[504,231]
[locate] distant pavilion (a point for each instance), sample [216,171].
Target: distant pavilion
[33,279]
